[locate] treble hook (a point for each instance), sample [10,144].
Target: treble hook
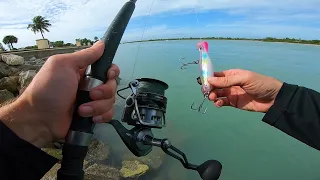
[186,64]
[200,107]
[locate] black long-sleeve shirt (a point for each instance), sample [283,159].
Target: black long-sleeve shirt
[296,112]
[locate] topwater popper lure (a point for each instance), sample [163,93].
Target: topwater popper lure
[206,71]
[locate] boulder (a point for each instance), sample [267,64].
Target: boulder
[5,95]
[12,59]
[101,172]
[154,159]
[35,61]
[6,70]
[133,169]
[25,79]
[97,151]
[10,83]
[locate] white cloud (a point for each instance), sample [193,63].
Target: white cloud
[73,19]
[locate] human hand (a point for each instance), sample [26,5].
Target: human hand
[45,108]
[244,90]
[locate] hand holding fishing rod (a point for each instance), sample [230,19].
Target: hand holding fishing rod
[81,129]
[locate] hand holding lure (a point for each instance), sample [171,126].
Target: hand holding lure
[206,71]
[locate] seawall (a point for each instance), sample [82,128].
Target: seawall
[41,53]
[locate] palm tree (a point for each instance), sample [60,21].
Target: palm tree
[9,40]
[40,24]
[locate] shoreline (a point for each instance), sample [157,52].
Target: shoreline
[272,40]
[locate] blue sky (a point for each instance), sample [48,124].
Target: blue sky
[73,19]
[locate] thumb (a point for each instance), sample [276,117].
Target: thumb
[225,82]
[85,57]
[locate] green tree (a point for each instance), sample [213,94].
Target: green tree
[96,39]
[9,40]
[40,24]
[58,44]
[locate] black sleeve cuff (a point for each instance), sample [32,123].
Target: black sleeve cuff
[281,103]
[20,159]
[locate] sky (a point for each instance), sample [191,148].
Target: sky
[72,19]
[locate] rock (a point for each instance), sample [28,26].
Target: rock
[10,83]
[25,79]
[133,169]
[12,59]
[101,172]
[97,151]
[57,153]
[154,159]
[32,59]
[6,70]
[5,95]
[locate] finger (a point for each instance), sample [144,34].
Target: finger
[228,72]
[222,102]
[104,91]
[106,117]
[95,108]
[228,81]
[83,58]
[218,93]
[113,72]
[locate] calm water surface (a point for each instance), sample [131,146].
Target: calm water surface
[247,147]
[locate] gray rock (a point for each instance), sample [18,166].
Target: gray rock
[6,70]
[101,172]
[32,59]
[5,95]
[97,151]
[25,78]
[10,83]
[12,59]
[154,159]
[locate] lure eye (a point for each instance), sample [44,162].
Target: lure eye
[199,80]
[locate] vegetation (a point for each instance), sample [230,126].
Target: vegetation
[267,39]
[40,24]
[84,41]
[31,47]
[96,39]
[9,40]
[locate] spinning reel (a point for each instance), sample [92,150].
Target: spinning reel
[145,109]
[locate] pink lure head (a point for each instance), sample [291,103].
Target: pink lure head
[203,45]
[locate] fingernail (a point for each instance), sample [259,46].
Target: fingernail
[112,74]
[97,94]
[97,119]
[87,110]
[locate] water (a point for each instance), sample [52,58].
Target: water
[247,147]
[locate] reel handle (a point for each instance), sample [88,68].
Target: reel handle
[81,129]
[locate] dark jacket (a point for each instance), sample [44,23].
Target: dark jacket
[296,111]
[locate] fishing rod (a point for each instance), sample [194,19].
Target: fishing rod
[144,109]
[80,132]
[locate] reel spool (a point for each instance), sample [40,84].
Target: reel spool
[147,104]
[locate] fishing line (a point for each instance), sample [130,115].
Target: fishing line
[145,26]
[195,9]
